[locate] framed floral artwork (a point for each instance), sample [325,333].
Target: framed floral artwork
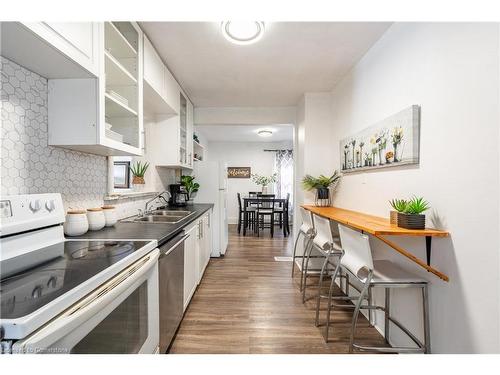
[392,142]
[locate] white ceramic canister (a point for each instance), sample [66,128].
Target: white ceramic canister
[96,218]
[76,223]
[110,215]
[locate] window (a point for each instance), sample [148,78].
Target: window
[121,175]
[283,166]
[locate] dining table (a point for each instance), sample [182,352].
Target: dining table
[248,200]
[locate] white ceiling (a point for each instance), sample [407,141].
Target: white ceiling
[291,58]
[244,133]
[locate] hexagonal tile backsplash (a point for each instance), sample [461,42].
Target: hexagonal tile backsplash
[29,165]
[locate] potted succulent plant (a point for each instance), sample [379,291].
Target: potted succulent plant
[190,186]
[138,170]
[322,185]
[398,205]
[412,216]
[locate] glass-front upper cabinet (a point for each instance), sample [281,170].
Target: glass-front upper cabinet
[104,114]
[122,94]
[183,130]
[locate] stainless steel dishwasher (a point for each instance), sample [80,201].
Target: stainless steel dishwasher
[171,288]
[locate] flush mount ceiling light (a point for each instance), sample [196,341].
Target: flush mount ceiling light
[242,32]
[265,132]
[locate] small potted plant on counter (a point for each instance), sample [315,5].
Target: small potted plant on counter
[264,181]
[190,186]
[322,185]
[138,170]
[413,217]
[398,205]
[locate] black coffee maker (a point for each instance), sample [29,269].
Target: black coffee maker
[179,195]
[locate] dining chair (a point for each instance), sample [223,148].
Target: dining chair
[265,208]
[282,212]
[357,260]
[253,194]
[249,212]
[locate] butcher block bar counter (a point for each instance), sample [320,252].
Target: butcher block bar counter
[380,227]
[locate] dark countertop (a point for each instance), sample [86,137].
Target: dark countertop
[161,232]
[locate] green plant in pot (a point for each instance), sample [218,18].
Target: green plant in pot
[411,216]
[190,185]
[264,181]
[138,170]
[398,205]
[322,185]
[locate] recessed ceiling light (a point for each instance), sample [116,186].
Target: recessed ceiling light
[242,32]
[265,132]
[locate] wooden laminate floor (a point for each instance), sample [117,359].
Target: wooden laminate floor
[248,303]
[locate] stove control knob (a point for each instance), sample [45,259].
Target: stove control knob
[35,206]
[50,205]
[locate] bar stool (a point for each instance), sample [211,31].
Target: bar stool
[358,261]
[307,231]
[328,248]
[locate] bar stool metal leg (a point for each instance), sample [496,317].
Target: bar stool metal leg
[387,314]
[370,312]
[320,285]
[304,271]
[295,250]
[307,244]
[362,296]
[425,301]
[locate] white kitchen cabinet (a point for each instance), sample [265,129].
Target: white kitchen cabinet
[190,130]
[205,244]
[191,250]
[77,40]
[153,68]
[103,115]
[161,91]
[53,49]
[171,140]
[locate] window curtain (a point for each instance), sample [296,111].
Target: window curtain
[283,167]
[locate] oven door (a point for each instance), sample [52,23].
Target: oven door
[120,317]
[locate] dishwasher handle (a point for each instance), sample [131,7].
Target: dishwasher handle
[164,250]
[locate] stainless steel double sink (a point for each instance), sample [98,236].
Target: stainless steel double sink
[161,216]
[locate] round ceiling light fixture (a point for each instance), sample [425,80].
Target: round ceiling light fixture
[265,132]
[242,32]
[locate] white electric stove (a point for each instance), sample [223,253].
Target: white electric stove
[72,296]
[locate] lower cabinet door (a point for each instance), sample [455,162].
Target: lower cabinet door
[190,264]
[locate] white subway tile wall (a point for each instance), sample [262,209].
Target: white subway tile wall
[29,165]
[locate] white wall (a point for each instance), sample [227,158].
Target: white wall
[314,153]
[244,154]
[452,72]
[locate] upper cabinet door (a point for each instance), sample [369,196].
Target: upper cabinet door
[153,68]
[77,40]
[172,91]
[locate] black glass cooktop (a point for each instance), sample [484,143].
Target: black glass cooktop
[27,291]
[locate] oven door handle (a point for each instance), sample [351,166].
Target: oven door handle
[89,306]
